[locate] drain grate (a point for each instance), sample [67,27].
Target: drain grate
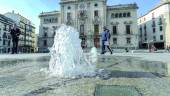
[114,90]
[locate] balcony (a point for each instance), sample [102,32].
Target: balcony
[82,15]
[160,23]
[96,20]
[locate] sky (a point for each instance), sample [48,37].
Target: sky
[32,8]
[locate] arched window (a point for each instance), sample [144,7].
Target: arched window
[128,14]
[116,15]
[120,15]
[112,15]
[124,14]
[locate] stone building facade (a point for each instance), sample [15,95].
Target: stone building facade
[49,22]
[5,36]
[154,26]
[122,22]
[90,16]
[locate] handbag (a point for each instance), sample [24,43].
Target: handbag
[106,43]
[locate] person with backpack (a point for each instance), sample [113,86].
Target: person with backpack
[107,42]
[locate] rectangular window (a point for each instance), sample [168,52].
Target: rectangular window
[153,24]
[68,16]
[5,27]
[114,40]
[4,42]
[160,21]
[9,43]
[145,27]
[161,28]
[154,30]
[161,37]
[114,28]
[82,29]
[45,34]
[45,42]
[128,29]
[96,13]
[120,15]
[154,38]
[96,29]
[145,34]
[128,40]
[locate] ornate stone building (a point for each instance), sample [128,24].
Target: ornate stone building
[122,22]
[49,22]
[90,16]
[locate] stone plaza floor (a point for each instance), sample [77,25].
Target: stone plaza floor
[123,74]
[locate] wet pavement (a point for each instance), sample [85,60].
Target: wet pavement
[28,77]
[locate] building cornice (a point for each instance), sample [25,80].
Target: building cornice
[6,20]
[49,13]
[77,1]
[122,7]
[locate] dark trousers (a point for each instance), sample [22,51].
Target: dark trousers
[103,47]
[15,45]
[108,47]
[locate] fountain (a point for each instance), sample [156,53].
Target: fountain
[67,57]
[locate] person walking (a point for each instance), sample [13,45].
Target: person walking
[15,33]
[168,48]
[103,39]
[107,42]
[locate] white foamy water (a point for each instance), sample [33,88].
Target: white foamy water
[93,55]
[67,57]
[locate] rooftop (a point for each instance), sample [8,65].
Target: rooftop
[72,1]
[123,6]
[22,18]
[2,17]
[49,13]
